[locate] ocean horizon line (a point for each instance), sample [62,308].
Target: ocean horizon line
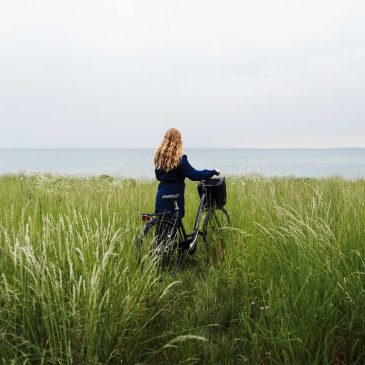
[187,148]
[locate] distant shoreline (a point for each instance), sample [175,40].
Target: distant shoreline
[187,148]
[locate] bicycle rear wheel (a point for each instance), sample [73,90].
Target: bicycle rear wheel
[216,222]
[158,245]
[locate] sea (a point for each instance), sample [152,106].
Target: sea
[137,163]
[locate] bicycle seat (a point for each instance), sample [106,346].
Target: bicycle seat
[170,198]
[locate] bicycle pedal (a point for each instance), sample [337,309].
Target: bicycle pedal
[185,244]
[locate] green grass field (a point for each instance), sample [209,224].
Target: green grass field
[288,286]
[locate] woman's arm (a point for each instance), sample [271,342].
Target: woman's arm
[196,175]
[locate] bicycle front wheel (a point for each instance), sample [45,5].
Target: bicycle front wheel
[216,222]
[158,245]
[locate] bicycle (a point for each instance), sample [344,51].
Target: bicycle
[164,239]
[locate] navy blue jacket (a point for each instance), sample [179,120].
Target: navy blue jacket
[173,182]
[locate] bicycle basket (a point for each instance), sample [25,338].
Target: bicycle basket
[216,191]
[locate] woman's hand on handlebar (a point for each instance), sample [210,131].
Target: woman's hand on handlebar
[216,172]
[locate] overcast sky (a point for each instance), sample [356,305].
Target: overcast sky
[117,73]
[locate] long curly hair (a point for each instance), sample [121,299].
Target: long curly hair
[169,152]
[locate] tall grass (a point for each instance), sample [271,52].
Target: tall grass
[288,286]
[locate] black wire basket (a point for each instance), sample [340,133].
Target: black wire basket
[216,191]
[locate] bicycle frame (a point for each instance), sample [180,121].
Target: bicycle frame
[195,233]
[176,222]
[189,239]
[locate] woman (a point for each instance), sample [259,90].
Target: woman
[171,169]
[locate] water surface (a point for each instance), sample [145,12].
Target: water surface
[138,162]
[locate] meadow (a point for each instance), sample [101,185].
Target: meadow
[286,287]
